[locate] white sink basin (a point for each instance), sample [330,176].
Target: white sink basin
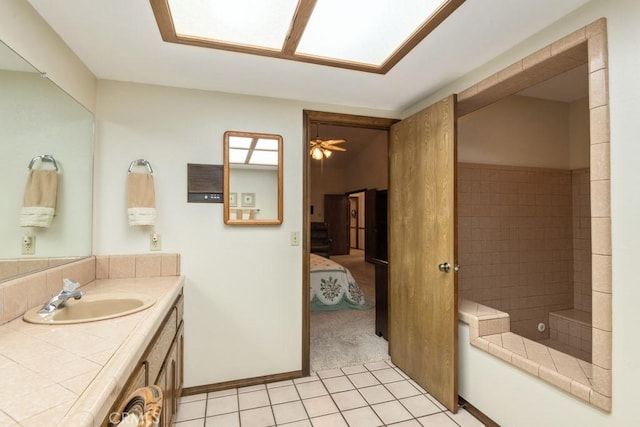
[93,307]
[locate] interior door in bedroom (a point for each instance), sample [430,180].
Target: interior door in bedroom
[336,215]
[423,302]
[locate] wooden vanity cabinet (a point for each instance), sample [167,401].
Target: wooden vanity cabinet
[162,364]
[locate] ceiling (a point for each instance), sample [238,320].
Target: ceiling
[120,40]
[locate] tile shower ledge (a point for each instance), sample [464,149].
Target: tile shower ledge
[489,331]
[71,374]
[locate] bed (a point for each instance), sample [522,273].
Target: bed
[333,287]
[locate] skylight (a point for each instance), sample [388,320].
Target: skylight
[244,22]
[364,35]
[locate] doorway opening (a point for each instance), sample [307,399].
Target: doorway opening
[329,185]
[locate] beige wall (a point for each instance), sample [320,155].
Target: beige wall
[24,31]
[517,131]
[243,284]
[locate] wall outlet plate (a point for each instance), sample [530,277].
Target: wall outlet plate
[28,245]
[155,242]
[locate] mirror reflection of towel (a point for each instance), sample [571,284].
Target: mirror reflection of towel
[141,199]
[40,194]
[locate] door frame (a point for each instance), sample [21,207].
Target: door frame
[310,118]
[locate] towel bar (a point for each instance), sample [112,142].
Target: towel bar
[43,158]
[140,162]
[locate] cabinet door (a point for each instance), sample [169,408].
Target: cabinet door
[180,361]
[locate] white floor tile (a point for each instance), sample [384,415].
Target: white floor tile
[319,406]
[376,394]
[338,384]
[391,412]
[349,397]
[364,379]
[437,420]
[283,394]
[279,384]
[311,389]
[303,423]
[329,373]
[252,388]
[191,410]
[226,420]
[408,423]
[362,417]
[349,400]
[419,406]
[375,366]
[222,405]
[289,412]
[198,422]
[402,389]
[229,392]
[356,369]
[465,419]
[333,420]
[388,375]
[253,399]
[193,398]
[258,417]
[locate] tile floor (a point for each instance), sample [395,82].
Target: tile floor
[374,394]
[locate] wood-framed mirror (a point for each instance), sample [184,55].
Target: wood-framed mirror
[252,178]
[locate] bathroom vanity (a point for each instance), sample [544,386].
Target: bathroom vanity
[78,374]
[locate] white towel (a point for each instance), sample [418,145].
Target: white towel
[40,195]
[141,199]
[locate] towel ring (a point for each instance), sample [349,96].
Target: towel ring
[43,158]
[140,162]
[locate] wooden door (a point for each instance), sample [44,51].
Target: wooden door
[423,303]
[336,215]
[370,240]
[353,223]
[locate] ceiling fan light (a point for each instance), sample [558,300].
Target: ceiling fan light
[316,153]
[327,153]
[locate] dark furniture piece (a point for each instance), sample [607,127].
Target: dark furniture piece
[382,268]
[320,241]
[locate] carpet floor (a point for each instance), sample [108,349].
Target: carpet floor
[347,337]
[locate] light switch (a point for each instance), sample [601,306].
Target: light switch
[295,238]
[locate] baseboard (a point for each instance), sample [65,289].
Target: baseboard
[488,422]
[188,391]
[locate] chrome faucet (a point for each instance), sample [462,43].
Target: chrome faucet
[69,290]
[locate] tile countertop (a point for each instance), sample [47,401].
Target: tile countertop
[72,374]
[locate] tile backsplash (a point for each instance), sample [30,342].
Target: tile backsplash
[23,293]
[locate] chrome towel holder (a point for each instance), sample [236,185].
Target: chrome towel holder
[43,158]
[140,162]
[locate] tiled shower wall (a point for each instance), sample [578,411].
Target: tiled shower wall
[581,240]
[515,241]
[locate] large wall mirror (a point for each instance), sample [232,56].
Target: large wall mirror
[37,118]
[252,178]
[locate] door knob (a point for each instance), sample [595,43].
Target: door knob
[444,267]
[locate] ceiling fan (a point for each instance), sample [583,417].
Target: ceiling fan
[321,148]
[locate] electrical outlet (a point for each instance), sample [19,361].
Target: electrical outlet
[28,245]
[295,238]
[155,242]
